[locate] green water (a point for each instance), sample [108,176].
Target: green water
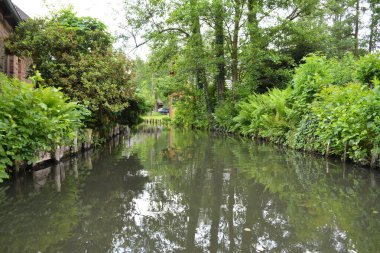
[163,190]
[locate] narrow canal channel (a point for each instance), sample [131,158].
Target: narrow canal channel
[164,190]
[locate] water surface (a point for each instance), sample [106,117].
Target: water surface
[164,190]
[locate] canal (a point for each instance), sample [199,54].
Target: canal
[165,190]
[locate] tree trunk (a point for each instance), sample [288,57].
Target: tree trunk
[370,43]
[255,46]
[356,35]
[373,27]
[252,19]
[234,47]
[197,43]
[219,50]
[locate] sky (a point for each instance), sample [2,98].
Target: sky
[108,11]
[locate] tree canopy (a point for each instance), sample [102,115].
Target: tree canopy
[76,54]
[220,50]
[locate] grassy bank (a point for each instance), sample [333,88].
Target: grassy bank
[157,118]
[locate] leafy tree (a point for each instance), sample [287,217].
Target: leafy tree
[143,79]
[374,35]
[219,49]
[253,46]
[75,54]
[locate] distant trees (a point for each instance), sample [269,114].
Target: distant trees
[248,44]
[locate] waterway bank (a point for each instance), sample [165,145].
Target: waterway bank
[88,139]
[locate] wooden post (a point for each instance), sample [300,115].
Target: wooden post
[171,137]
[171,112]
[374,157]
[345,152]
[328,149]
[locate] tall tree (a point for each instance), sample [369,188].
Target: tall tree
[173,30]
[219,48]
[374,25]
[356,34]
[197,43]
[236,11]
[253,43]
[76,54]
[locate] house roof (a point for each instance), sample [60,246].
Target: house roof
[21,13]
[13,14]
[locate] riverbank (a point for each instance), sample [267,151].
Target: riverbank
[85,83]
[39,125]
[331,107]
[87,140]
[157,119]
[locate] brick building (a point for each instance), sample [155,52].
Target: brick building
[10,17]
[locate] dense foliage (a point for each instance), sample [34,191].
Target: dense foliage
[265,115]
[190,113]
[301,73]
[33,120]
[223,51]
[74,60]
[328,109]
[76,54]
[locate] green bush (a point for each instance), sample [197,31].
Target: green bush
[265,115]
[368,68]
[318,72]
[304,136]
[330,107]
[190,113]
[33,120]
[131,115]
[224,114]
[307,81]
[343,70]
[76,54]
[348,120]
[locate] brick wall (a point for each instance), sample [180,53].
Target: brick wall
[10,64]
[5,30]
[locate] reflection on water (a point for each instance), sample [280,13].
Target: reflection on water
[163,190]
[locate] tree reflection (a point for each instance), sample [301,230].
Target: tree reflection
[290,204]
[178,191]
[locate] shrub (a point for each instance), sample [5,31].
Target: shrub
[308,80]
[343,70]
[318,72]
[368,68]
[304,135]
[326,110]
[265,115]
[191,113]
[224,114]
[33,120]
[348,120]
[76,54]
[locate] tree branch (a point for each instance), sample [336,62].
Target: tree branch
[170,29]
